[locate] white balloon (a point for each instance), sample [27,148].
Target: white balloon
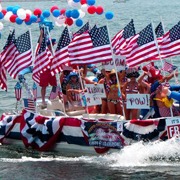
[81,13]
[57,24]
[71,3]
[1,26]
[21,13]
[0,7]
[84,7]
[60,20]
[7,16]
[28,12]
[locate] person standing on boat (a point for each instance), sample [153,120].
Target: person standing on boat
[45,77]
[131,87]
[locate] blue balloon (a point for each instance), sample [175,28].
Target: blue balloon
[56,13]
[1,15]
[9,8]
[33,18]
[46,13]
[15,10]
[79,22]
[91,2]
[109,15]
[75,13]
[28,23]
[68,13]
[19,21]
[41,18]
[76,1]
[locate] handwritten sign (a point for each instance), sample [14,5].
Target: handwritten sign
[120,64]
[173,127]
[138,101]
[96,90]
[90,99]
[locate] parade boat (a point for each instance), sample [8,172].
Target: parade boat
[75,132]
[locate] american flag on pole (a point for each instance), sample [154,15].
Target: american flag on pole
[121,38]
[159,31]
[61,54]
[43,59]
[90,47]
[142,47]
[83,29]
[168,67]
[29,104]
[3,57]
[169,44]
[22,56]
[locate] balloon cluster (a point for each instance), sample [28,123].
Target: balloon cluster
[79,8]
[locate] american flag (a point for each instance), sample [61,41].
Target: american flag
[90,47]
[29,104]
[142,47]
[83,29]
[121,38]
[22,56]
[159,31]
[168,67]
[169,44]
[61,54]
[43,59]
[3,57]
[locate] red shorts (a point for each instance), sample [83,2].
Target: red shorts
[47,79]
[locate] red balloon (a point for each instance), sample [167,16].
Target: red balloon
[4,11]
[91,9]
[99,10]
[62,11]
[69,21]
[37,12]
[83,1]
[13,18]
[27,18]
[53,8]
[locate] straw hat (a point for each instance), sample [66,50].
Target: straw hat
[112,72]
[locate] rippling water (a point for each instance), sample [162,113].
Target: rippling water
[160,160]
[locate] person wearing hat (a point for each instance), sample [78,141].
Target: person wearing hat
[73,89]
[113,99]
[131,87]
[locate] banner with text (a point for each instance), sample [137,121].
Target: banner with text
[120,64]
[138,101]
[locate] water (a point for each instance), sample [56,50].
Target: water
[160,160]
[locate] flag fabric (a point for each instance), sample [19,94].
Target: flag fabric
[61,54]
[21,57]
[83,29]
[7,122]
[169,43]
[42,132]
[121,38]
[168,67]
[4,56]
[141,47]
[138,130]
[43,60]
[159,31]
[29,104]
[90,47]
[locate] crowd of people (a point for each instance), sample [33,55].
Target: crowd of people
[117,85]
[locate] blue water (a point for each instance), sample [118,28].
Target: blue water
[159,160]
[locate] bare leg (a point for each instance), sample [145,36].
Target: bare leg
[104,108]
[111,107]
[43,94]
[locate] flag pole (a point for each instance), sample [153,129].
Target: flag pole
[31,45]
[160,58]
[176,80]
[87,111]
[119,87]
[155,40]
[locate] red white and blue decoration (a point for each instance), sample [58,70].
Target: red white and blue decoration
[18,91]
